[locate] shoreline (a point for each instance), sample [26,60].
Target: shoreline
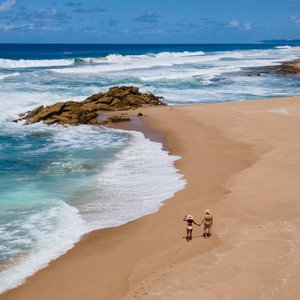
[217,155]
[139,124]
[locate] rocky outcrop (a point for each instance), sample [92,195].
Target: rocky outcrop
[285,68]
[92,109]
[290,67]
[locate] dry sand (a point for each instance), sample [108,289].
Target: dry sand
[242,161]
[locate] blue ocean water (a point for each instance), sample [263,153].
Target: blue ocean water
[57,183]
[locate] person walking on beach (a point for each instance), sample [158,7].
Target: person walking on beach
[189,229]
[208,223]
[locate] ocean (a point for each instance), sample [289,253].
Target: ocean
[58,183]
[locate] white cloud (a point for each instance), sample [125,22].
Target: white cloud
[234,23]
[295,19]
[31,27]
[7,5]
[47,13]
[9,27]
[148,17]
[247,26]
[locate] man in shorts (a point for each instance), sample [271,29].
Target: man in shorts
[208,223]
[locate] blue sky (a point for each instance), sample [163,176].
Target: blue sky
[155,21]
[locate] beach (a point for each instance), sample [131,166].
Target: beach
[240,160]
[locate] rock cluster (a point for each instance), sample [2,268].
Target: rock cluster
[118,98]
[285,68]
[290,67]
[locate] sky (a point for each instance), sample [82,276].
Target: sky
[155,21]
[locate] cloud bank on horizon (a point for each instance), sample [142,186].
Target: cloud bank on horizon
[156,21]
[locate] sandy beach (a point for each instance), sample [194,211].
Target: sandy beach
[240,160]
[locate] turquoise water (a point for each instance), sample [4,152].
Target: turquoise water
[45,172]
[57,183]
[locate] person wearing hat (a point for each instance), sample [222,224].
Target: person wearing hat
[189,229]
[208,222]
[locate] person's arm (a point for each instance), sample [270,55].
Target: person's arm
[184,219]
[201,223]
[212,220]
[196,223]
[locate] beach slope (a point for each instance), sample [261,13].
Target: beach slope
[240,160]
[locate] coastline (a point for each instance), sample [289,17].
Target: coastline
[233,155]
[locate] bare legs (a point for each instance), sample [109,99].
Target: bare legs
[189,235]
[206,232]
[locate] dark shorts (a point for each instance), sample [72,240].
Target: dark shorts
[207,226]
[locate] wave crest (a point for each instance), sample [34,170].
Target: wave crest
[283,47]
[164,57]
[27,63]
[3,76]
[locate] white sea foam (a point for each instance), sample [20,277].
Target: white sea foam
[179,66]
[283,47]
[205,74]
[27,63]
[168,74]
[3,76]
[135,184]
[114,62]
[116,58]
[52,233]
[27,100]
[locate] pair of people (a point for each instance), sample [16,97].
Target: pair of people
[207,221]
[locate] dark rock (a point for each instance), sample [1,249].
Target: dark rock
[86,166]
[290,67]
[23,114]
[50,121]
[116,102]
[139,114]
[106,107]
[71,114]
[94,97]
[251,74]
[61,119]
[73,108]
[35,111]
[118,98]
[115,119]
[71,103]
[93,121]
[40,134]
[45,113]
[124,108]
[88,107]
[85,118]
[105,100]
[134,100]
[285,68]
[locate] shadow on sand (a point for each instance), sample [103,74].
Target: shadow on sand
[197,236]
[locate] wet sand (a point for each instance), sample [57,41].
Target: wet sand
[241,160]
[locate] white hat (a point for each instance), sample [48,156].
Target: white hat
[207,211]
[189,217]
